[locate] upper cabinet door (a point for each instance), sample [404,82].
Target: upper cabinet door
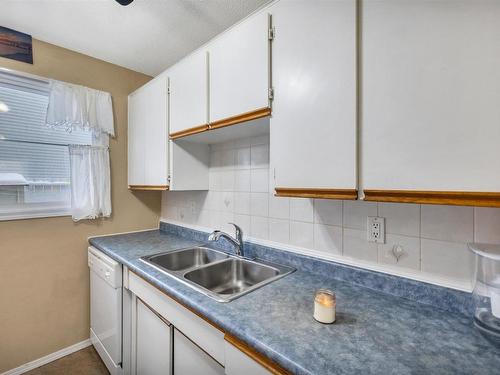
[239,70]
[313,127]
[156,156]
[430,100]
[136,139]
[148,135]
[189,93]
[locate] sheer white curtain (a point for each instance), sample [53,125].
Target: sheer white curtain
[77,107]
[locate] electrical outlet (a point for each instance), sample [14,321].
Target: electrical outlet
[376,229]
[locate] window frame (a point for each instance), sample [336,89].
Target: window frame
[39,209]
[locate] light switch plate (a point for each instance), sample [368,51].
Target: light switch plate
[376,229]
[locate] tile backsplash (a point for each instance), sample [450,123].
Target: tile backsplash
[433,238]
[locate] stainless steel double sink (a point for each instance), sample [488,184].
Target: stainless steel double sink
[217,274]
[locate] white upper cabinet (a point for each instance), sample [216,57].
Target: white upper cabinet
[313,127]
[430,95]
[137,114]
[148,136]
[189,93]
[239,69]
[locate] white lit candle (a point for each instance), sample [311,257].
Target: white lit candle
[324,306]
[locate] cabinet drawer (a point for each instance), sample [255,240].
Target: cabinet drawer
[206,336]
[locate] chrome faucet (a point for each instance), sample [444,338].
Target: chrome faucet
[237,242]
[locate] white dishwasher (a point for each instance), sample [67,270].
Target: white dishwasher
[106,308]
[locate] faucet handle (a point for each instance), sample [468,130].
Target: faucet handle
[214,236]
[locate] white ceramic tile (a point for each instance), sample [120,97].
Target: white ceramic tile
[227,180]
[259,140]
[259,227]
[410,256]
[228,159]
[187,215]
[302,234]
[449,259]
[243,221]
[401,218]
[242,142]
[259,204]
[356,213]
[301,209]
[356,246]
[242,180]
[226,201]
[220,220]
[279,207]
[170,213]
[259,156]
[215,180]
[447,223]
[242,203]
[487,225]
[259,180]
[328,211]
[204,218]
[216,159]
[243,158]
[328,238]
[279,230]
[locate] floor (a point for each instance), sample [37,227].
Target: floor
[82,362]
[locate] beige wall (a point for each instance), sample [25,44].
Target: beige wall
[44,279]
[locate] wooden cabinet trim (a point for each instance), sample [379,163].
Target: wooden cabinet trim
[190,131]
[346,194]
[265,362]
[149,187]
[457,198]
[248,116]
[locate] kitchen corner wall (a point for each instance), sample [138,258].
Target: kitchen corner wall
[44,278]
[434,238]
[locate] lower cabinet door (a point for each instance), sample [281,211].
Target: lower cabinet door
[189,359]
[153,341]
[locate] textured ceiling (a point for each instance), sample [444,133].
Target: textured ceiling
[146,36]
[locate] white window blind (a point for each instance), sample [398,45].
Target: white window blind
[34,159]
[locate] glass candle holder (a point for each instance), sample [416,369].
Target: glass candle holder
[324,306]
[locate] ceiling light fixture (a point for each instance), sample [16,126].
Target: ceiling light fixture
[4,107]
[124,2]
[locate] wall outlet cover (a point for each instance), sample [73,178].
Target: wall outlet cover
[376,229]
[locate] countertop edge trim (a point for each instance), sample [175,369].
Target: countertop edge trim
[264,361]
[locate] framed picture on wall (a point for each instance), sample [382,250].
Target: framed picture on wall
[16,45]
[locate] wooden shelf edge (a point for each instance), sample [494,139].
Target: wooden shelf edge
[455,198]
[244,117]
[190,131]
[265,362]
[149,187]
[345,194]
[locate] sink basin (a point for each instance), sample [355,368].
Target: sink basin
[217,274]
[233,277]
[184,259]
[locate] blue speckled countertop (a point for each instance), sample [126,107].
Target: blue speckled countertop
[375,333]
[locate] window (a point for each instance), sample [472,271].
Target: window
[34,159]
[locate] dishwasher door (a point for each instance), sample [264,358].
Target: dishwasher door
[106,308]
